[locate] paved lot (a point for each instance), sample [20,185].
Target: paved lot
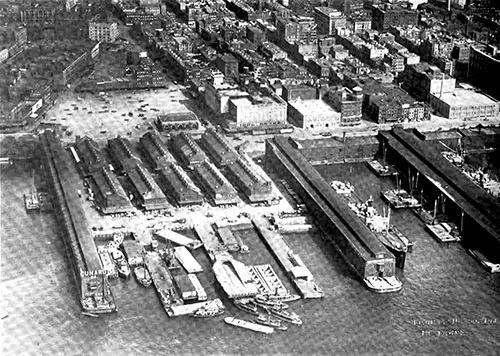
[114,113]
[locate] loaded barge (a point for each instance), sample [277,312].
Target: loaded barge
[163,282]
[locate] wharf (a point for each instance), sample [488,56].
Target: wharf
[209,239]
[162,280]
[291,263]
[233,277]
[228,239]
[187,260]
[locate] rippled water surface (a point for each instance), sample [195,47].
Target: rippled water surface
[449,305]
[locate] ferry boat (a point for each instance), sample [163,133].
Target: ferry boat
[287,316]
[248,325]
[485,261]
[383,284]
[343,188]
[143,277]
[246,307]
[267,320]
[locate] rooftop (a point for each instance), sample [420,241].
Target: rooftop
[464,97]
[313,107]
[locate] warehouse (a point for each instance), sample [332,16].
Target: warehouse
[179,186]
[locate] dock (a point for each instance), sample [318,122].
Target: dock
[300,275]
[267,280]
[210,241]
[162,280]
[200,291]
[177,238]
[228,239]
[233,277]
[187,260]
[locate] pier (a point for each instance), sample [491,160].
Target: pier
[266,280]
[300,275]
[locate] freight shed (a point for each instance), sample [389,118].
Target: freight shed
[123,154]
[95,295]
[188,150]
[218,147]
[336,150]
[244,175]
[357,244]
[91,157]
[155,150]
[108,192]
[215,185]
[179,186]
[146,190]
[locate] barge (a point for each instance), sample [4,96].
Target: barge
[400,199]
[163,282]
[248,325]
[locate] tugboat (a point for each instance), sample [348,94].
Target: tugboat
[123,268]
[287,316]
[246,307]
[267,320]
[341,187]
[267,302]
[207,312]
[143,277]
[121,262]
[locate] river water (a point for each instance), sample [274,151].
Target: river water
[449,304]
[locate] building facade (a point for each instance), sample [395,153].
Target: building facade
[103,31]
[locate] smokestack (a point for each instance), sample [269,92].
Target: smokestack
[449,5]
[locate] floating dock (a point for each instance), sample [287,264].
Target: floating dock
[267,281]
[200,291]
[187,260]
[162,280]
[291,263]
[177,238]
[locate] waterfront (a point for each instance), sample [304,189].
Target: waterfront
[441,283]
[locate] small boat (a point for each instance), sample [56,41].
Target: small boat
[284,298]
[116,254]
[287,316]
[341,187]
[123,268]
[267,320]
[485,261]
[266,301]
[143,277]
[247,307]
[90,314]
[207,312]
[248,325]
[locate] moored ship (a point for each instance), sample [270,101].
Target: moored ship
[248,325]
[246,307]
[208,311]
[485,261]
[285,315]
[383,284]
[142,275]
[269,321]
